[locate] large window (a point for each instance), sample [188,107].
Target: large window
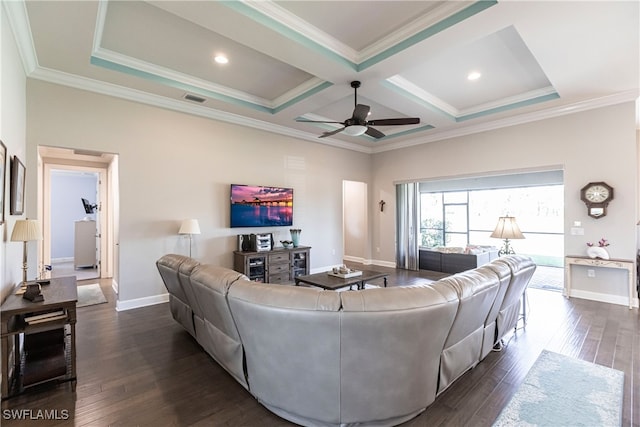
[459,218]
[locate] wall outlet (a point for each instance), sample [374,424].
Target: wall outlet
[591,273]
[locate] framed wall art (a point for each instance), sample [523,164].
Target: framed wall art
[3,174]
[18,172]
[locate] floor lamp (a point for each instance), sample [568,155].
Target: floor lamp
[190,227]
[507,229]
[25,230]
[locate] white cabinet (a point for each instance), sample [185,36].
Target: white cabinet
[85,244]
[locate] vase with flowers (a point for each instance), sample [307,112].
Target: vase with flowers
[599,251]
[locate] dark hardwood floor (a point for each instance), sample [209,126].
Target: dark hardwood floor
[140,368]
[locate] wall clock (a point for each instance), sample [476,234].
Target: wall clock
[596,195]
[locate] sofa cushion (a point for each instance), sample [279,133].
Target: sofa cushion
[168,267]
[391,340]
[490,337]
[463,346]
[522,268]
[184,274]
[291,336]
[179,304]
[219,335]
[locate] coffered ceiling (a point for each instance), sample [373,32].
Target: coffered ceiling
[293,60]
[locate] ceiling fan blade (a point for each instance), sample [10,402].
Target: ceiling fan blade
[333,132]
[395,122]
[360,112]
[315,121]
[374,132]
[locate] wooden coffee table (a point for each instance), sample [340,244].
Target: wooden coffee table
[326,281]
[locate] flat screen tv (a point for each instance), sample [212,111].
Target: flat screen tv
[260,206]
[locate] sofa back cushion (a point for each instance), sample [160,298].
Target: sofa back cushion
[291,336]
[490,328]
[462,349]
[168,267]
[181,310]
[391,339]
[184,274]
[522,268]
[219,335]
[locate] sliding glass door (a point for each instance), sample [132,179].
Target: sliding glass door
[461,218]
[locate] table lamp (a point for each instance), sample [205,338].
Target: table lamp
[190,227]
[25,230]
[507,229]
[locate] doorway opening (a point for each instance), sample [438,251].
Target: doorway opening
[460,214]
[77,205]
[75,217]
[355,222]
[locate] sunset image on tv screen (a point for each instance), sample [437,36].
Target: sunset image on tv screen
[260,206]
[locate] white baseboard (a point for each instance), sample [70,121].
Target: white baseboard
[611,299]
[64,259]
[141,302]
[390,264]
[359,260]
[364,261]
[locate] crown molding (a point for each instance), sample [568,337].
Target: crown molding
[109,89]
[19,22]
[66,79]
[412,92]
[549,113]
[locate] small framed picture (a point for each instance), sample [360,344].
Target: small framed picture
[3,174]
[18,173]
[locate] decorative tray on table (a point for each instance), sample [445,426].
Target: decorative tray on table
[345,274]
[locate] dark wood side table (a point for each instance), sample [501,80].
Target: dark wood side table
[59,310]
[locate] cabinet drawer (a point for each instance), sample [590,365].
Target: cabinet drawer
[279,258]
[278,268]
[279,278]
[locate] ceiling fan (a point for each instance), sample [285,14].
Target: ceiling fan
[358,123]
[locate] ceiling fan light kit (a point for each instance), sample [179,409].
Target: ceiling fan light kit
[358,124]
[355,130]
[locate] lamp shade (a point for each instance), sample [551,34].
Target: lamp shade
[189,226]
[355,130]
[26,230]
[507,229]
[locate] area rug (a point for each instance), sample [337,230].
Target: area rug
[90,295]
[563,391]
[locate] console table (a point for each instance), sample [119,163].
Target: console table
[625,264]
[274,266]
[56,314]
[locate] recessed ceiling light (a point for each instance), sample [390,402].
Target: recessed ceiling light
[474,75]
[221,59]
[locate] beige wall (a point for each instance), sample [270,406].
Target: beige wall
[12,133]
[597,145]
[174,166]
